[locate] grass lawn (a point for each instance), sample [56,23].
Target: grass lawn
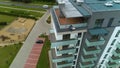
[44,59]
[6,18]
[7,54]
[28,13]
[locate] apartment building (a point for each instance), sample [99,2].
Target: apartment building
[85,34]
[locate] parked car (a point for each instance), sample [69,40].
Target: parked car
[39,41]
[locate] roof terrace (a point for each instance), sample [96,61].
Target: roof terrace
[66,21]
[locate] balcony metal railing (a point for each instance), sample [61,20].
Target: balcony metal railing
[101,41]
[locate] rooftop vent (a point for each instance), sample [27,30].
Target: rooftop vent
[116,1]
[109,4]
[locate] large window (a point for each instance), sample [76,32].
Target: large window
[66,36]
[110,22]
[98,23]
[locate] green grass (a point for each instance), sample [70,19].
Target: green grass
[7,54]
[49,20]
[8,10]
[44,59]
[6,18]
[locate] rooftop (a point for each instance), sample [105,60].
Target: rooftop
[69,10]
[100,5]
[97,5]
[64,21]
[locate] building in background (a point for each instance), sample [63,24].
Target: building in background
[85,34]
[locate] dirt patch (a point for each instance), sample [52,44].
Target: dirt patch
[17,31]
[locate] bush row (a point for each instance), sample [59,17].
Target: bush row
[19,14]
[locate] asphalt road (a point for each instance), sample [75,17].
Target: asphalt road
[40,27]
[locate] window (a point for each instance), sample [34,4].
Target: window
[98,23]
[113,42]
[105,55]
[66,36]
[118,33]
[75,56]
[110,22]
[76,50]
[102,62]
[73,62]
[78,43]
[109,49]
[79,34]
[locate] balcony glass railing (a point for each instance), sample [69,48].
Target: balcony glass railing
[86,64]
[115,59]
[68,50]
[87,58]
[61,58]
[63,42]
[101,41]
[94,50]
[111,64]
[62,65]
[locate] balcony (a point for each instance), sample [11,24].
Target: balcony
[86,64]
[64,64]
[111,64]
[60,58]
[91,50]
[86,58]
[63,42]
[117,52]
[67,50]
[75,21]
[115,59]
[101,41]
[118,45]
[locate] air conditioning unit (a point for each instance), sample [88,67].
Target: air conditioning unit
[109,4]
[116,1]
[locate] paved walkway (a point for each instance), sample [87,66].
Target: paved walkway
[40,27]
[34,55]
